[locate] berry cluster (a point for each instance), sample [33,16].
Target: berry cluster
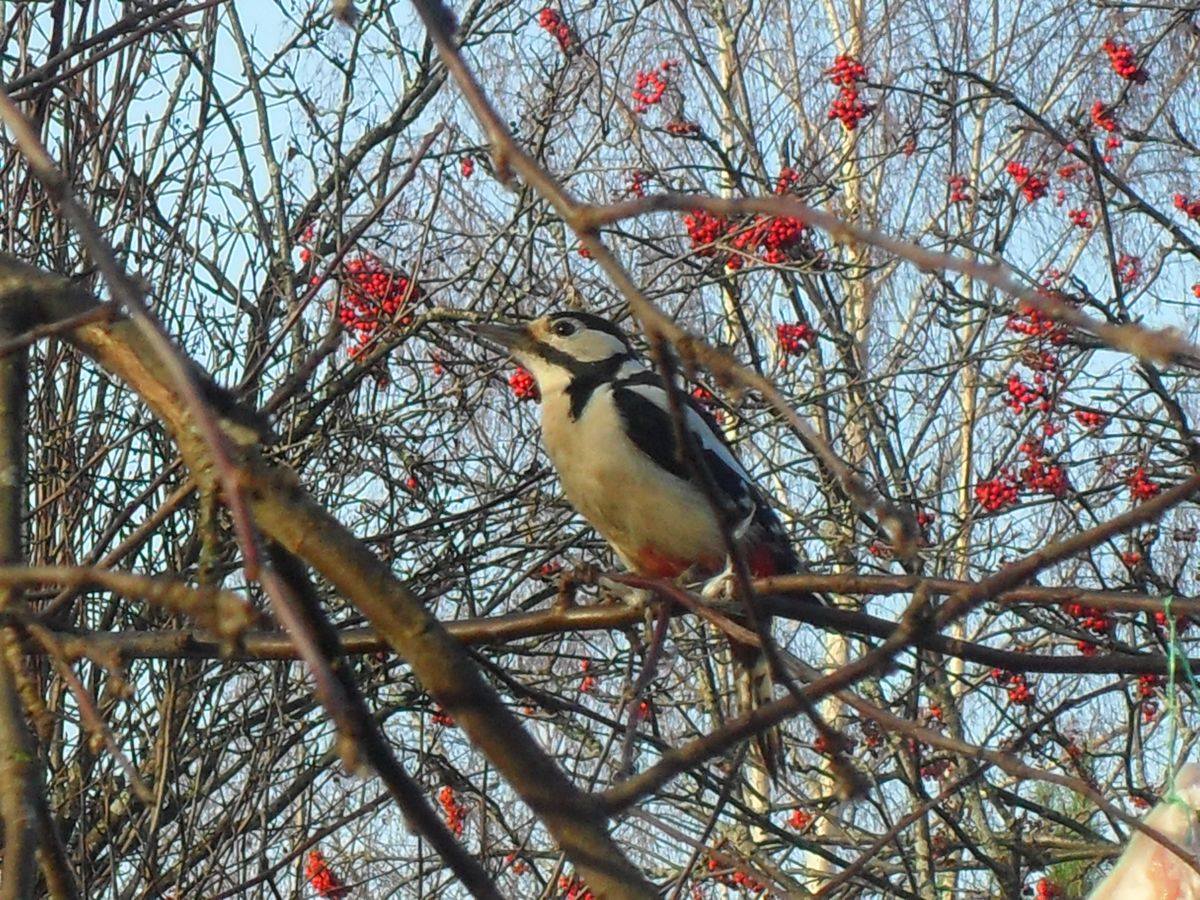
[771,236]
[937,768]
[1160,622]
[872,737]
[1140,486]
[523,385]
[1022,395]
[650,85]
[847,73]
[1124,61]
[1090,619]
[1147,688]
[468,166]
[788,181]
[1032,185]
[705,398]
[1129,268]
[1070,170]
[682,128]
[306,237]
[1032,323]
[1111,143]
[1090,419]
[705,230]
[774,240]
[574,889]
[1019,690]
[1047,890]
[373,296]
[799,819]
[551,21]
[925,518]
[958,188]
[1039,476]
[997,493]
[441,717]
[455,810]
[1080,218]
[1103,117]
[822,746]
[589,681]
[515,863]
[1189,207]
[637,183]
[736,879]
[795,338]
[322,879]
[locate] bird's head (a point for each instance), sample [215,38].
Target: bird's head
[558,347]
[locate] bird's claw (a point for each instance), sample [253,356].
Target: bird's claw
[638,598]
[720,586]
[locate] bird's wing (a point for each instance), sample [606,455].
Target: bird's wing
[644,406]
[643,403]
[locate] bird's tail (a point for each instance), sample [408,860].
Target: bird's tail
[755,688]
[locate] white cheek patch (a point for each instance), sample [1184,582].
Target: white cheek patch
[589,346]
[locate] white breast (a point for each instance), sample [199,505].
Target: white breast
[634,504]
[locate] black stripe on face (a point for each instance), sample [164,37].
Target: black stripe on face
[586,377]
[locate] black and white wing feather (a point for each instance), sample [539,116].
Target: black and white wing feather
[643,404]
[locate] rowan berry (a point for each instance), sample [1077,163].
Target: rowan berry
[795,338]
[1124,61]
[523,385]
[552,22]
[1140,486]
[322,878]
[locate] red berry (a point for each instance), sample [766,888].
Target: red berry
[1124,61]
[1140,486]
[523,385]
[799,819]
[1033,186]
[552,22]
[795,339]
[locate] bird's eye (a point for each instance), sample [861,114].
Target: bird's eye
[563,327]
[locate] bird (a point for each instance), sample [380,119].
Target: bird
[607,428]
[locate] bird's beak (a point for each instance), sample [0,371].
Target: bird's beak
[512,338]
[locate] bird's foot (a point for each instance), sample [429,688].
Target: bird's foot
[721,586]
[638,598]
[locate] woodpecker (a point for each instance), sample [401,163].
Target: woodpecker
[607,428]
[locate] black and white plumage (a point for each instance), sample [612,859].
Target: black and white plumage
[607,428]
